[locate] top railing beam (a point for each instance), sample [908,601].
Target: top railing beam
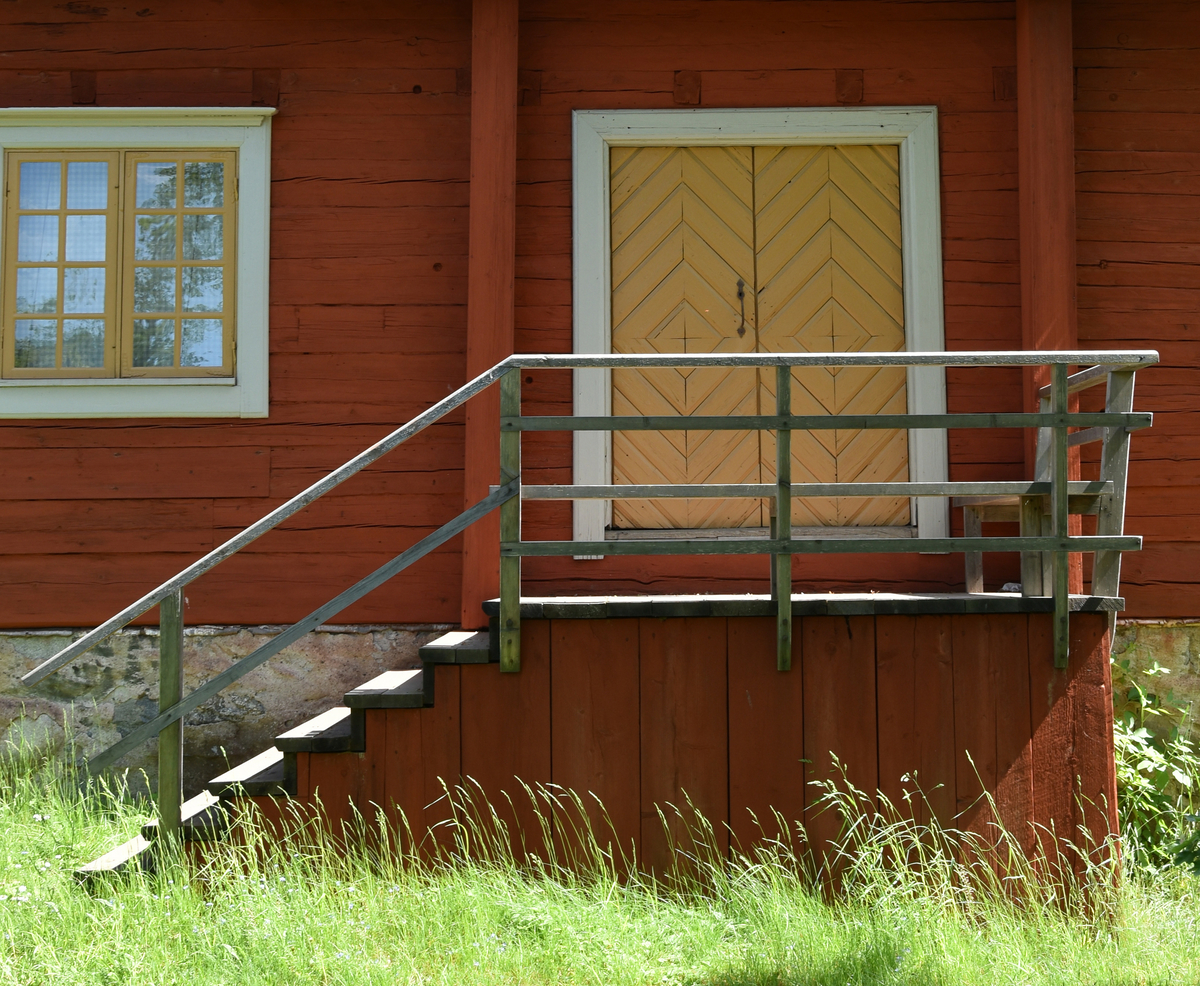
[1131,359]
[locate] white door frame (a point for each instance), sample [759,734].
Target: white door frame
[913,128]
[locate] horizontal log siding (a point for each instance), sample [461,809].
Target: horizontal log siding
[368,316]
[1137,156]
[369,259]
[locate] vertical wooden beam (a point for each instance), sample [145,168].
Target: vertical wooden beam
[490,276]
[1060,516]
[973,560]
[1046,161]
[782,583]
[170,692]
[510,527]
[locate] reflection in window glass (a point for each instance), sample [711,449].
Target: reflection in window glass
[154,342]
[156,185]
[202,239]
[155,238]
[37,289]
[203,184]
[83,289]
[201,343]
[154,289]
[202,289]
[37,239]
[41,184]
[87,185]
[86,237]
[35,341]
[83,342]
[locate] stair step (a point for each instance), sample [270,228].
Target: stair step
[270,774]
[340,730]
[202,819]
[458,647]
[133,854]
[390,690]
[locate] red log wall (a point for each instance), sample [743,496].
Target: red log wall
[369,257]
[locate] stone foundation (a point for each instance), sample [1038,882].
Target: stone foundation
[1173,644]
[101,696]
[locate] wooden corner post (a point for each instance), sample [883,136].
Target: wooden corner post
[170,692]
[782,583]
[510,526]
[491,274]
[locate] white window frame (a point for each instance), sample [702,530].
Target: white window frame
[244,129]
[913,128]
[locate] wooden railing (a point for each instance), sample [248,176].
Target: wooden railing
[1044,504]
[1051,540]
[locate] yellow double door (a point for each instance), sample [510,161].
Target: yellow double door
[757,250]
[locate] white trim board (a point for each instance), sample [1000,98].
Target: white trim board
[244,129]
[913,128]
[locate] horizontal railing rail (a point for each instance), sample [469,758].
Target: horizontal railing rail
[1051,541]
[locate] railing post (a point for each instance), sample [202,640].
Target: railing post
[510,526]
[782,586]
[1114,466]
[170,691]
[1060,512]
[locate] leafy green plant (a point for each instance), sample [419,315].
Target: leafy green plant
[1158,771]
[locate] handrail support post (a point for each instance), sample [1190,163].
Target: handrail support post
[510,526]
[782,583]
[170,692]
[1060,512]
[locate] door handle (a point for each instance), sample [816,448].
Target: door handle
[741,293]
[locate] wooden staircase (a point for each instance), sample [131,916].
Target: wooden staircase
[322,759]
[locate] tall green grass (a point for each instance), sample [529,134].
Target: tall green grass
[265,911]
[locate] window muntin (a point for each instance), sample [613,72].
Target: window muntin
[124,264]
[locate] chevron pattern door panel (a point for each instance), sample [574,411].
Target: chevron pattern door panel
[829,279]
[813,234]
[682,238]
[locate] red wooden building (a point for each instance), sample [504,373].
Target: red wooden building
[244,241]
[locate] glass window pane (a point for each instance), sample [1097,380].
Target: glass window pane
[83,342]
[86,237]
[41,184]
[202,238]
[154,238]
[154,289]
[37,289]
[203,184]
[83,289]
[35,342]
[202,289]
[201,343]
[37,239]
[154,342]
[156,185]
[87,185]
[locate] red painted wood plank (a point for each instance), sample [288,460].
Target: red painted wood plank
[133,473]
[49,527]
[684,735]
[338,782]
[915,685]
[423,764]
[506,734]
[766,735]
[839,715]
[992,725]
[1053,755]
[1092,721]
[596,739]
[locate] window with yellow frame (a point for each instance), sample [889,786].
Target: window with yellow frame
[119,264]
